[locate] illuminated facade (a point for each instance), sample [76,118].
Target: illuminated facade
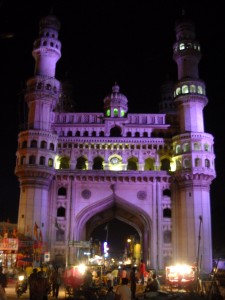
[150,170]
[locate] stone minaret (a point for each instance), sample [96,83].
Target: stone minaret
[193,155]
[37,144]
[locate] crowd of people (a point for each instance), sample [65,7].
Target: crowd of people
[120,284]
[42,284]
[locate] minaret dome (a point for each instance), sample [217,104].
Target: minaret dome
[115,104]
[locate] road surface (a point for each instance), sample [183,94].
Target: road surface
[11,292]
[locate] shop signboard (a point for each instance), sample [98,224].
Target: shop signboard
[8,244]
[80,244]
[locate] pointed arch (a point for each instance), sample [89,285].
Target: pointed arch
[132,163]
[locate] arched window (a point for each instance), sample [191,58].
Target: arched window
[61,212]
[43,144]
[178,149]
[137,134]
[187,163]
[62,191]
[32,160]
[206,147]
[115,131]
[197,162]
[197,146]
[178,91]
[200,90]
[132,164]
[33,144]
[115,112]
[69,133]
[182,46]
[48,86]
[42,161]
[64,163]
[97,164]
[50,162]
[24,144]
[207,163]
[167,192]
[81,163]
[186,147]
[185,89]
[167,213]
[165,164]
[149,164]
[145,134]
[51,147]
[192,88]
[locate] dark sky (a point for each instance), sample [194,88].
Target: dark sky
[129,42]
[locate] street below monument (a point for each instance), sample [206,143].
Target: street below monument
[11,292]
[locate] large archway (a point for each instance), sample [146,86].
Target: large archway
[115,208]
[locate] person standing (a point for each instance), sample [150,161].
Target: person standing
[32,281]
[3,279]
[115,274]
[142,271]
[3,284]
[40,287]
[133,281]
[109,278]
[123,274]
[123,291]
[55,280]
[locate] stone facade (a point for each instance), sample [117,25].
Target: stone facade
[153,171]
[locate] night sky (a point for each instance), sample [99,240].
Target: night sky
[103,42]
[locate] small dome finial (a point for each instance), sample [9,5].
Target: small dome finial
[115,88]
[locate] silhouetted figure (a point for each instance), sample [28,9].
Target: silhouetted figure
[31,281]
[153,285]
[55,280]
[133,282]
[40,287]
[3,279]
[142,271]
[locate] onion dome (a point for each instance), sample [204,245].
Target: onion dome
[49,22]
[47,48]
[115,104]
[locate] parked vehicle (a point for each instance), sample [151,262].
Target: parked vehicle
[21,285]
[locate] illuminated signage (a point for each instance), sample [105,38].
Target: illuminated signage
[8,244]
